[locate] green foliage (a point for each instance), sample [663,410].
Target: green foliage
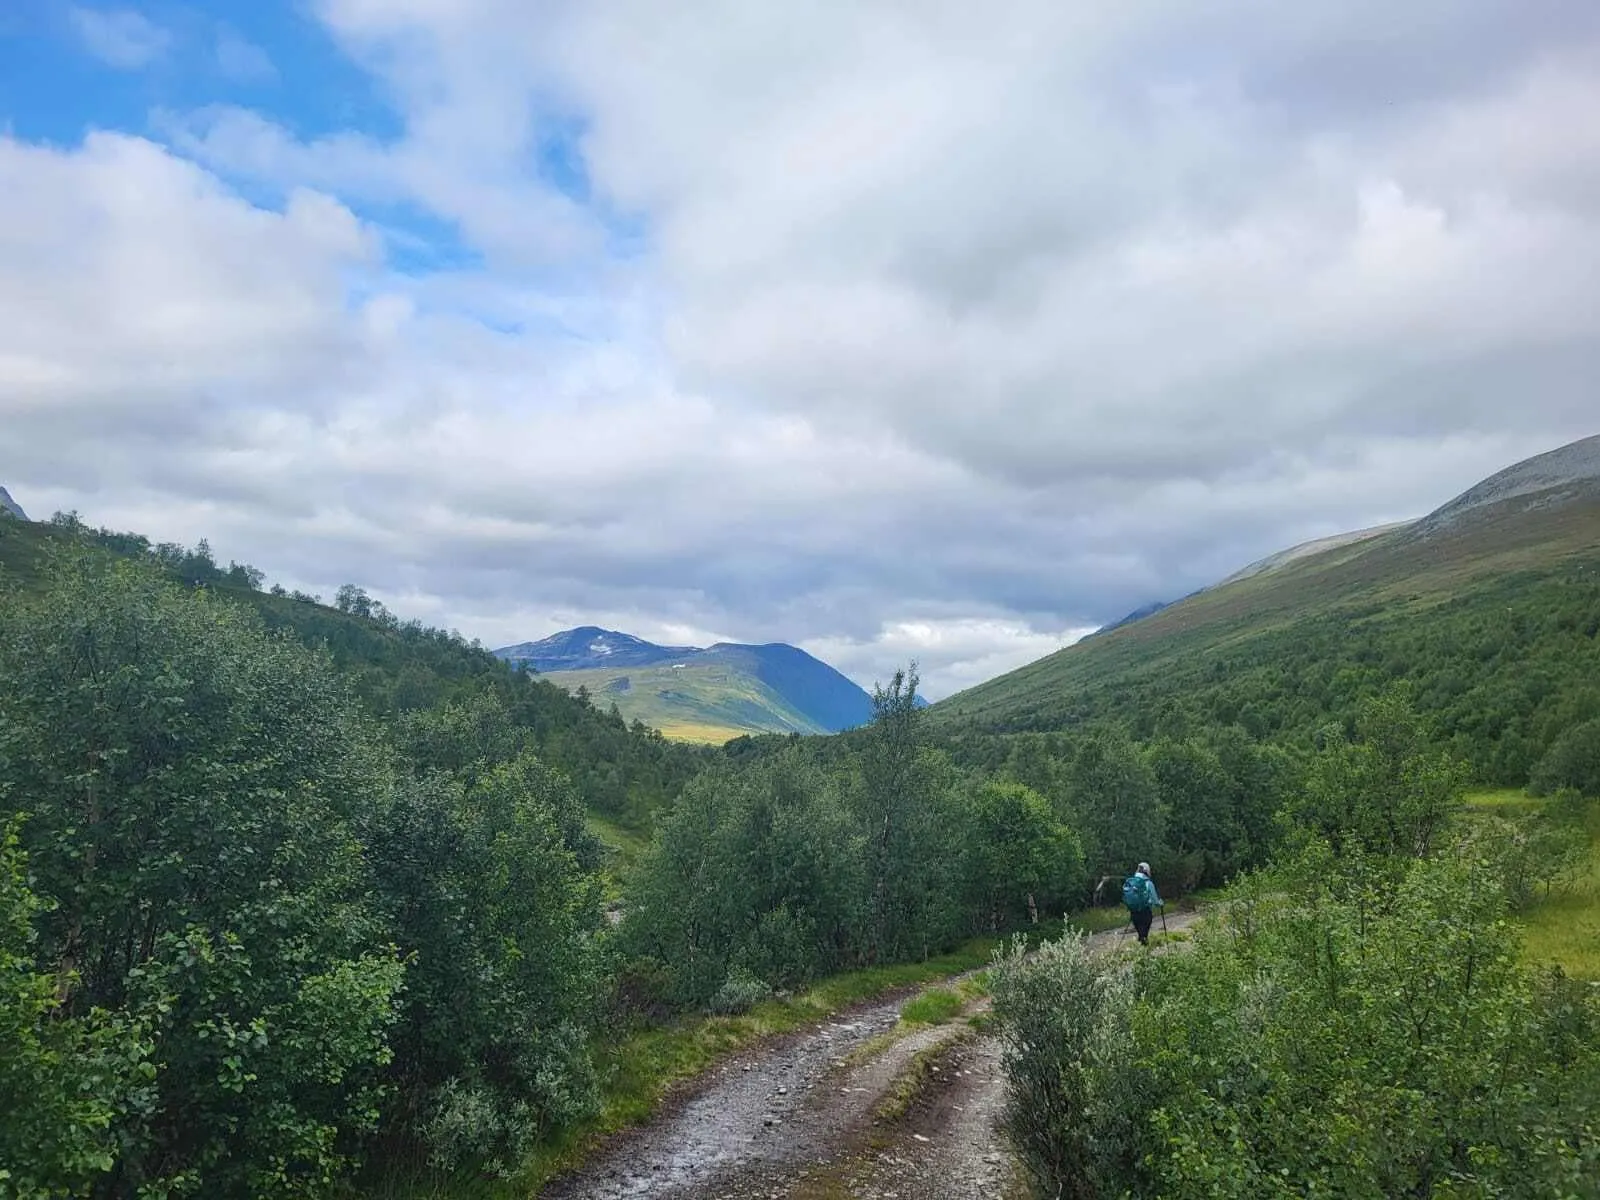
[1501,663]
[1114,795]
[1564,928]
[64,1080]
[1320,1040]
[740,992]
[1064,1023]
[483,878]
[1382,791]
[191,782]
[1573,761]
[758,868]
[811,859]
[1540,853]
[1020,856]
[396,667]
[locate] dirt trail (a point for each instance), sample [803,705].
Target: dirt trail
[797,1116]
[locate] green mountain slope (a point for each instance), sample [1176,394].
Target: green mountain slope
[398,667]
[1488,608]
[694,694]
[701,702]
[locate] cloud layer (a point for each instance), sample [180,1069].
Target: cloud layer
[895,331]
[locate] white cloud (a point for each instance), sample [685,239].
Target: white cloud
[120,38]
[949,334]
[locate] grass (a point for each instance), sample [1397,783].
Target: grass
[911,1081]
[1565,929]
[932,1007]
[1098,920]
[623,848]
[705,735]
[1506,800]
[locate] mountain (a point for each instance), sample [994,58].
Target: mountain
[1460,602]
[9,507]
[710,694]
[589,648]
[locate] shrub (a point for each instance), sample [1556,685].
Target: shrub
[1321,1038]
[1063,1015]
[740,992]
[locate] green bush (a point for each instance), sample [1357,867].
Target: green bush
[1321,1038]
[64,1080]
[740,992]
[191,782]
[1064,1024]
[498,920]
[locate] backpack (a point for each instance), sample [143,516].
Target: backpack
[1134,893]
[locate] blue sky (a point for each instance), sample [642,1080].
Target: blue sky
[65,69]
[931,331]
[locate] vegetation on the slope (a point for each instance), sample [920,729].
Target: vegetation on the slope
[713,699]
[1555,888]
[394,666]
[1494,624]
[1352,1024]
[295,890]
[263,937]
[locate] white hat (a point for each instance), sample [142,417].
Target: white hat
[1144,868]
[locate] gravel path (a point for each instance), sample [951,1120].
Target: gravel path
[796,1117]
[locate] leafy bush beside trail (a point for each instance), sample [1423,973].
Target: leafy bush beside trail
[1327,1035]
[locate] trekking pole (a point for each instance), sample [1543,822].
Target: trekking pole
[1163,908]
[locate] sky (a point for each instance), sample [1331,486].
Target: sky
[895,330]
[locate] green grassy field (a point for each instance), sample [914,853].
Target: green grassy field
[623,848]
[1563,930]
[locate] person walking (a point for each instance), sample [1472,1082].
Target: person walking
[1139,894]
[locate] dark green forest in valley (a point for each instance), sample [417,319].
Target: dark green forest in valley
[296,896]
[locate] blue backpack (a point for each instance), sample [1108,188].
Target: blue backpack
[1134,893]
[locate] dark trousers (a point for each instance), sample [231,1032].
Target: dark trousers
[1141,923]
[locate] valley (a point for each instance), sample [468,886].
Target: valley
[549,950]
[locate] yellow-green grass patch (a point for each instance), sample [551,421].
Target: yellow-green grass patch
[708,735]
[1565,929]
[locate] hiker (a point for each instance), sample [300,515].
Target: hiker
[1139,894]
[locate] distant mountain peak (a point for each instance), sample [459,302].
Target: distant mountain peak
[10,506]
[812,695]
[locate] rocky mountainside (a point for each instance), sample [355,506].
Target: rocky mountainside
[589,647]
[1552,480]
[9,507]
